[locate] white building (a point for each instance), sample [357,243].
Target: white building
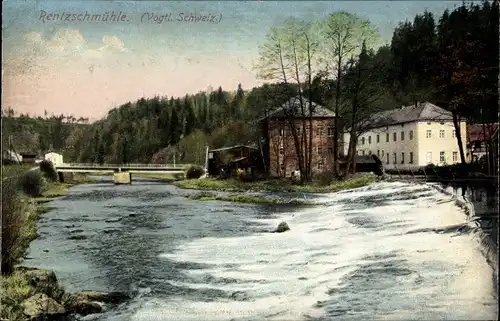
[411,137]
[55,158]
[12,156]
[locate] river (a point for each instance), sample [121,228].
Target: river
[369,253]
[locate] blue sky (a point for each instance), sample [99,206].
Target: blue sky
[171,58]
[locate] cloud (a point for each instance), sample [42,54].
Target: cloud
[71,41]
[113,43]
[33,38]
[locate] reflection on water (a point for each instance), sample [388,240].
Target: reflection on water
[371,252]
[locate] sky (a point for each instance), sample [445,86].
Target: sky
[85,68]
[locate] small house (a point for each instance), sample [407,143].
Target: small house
[478,136]
[11,157]
[227,160]
[55,158]
[28,157]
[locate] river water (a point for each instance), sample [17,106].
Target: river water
[369,253]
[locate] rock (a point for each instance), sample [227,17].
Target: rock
[111,297]
[282,227]
[41,306]
[43,281]
[83,307]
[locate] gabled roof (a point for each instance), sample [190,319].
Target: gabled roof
[231,147]
[476,132]
[420,112]
[292,108]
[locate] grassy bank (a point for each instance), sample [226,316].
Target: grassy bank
[24,193]
[274,185]
[164,177]
[238,198]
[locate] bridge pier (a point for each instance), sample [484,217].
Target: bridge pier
[122,178]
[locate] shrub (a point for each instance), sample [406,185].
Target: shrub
[48,170]
[194,171]
[32,183]
[14,223]
[325,178]
[16,288]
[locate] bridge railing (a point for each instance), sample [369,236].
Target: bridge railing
[93,165]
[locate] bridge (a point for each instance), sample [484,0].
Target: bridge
[122,173]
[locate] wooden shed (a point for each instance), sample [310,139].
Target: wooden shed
[225,161]
[28,157]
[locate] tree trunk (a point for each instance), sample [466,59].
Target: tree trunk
[456,124]
[336,120]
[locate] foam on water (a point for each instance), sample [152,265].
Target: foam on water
[315,269]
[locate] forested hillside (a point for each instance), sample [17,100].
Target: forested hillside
[451,61]
[40,134]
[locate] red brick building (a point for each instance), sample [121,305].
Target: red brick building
[278,143]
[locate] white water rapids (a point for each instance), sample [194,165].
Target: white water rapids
[348,258]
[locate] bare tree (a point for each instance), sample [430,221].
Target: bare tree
[343,35]
[287,56]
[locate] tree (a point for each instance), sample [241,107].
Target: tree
[343,34]
[364,84]
[287,56]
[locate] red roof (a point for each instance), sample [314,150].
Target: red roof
[476,132]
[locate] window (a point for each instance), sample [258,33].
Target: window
[363,152]
[298,131]
[369,152]
[411,134]
[378,138]
[378,153]
[362,140]
[330,131]
[429,157]
[394,136]
[319,131]
[402,135]
[441,133]
[320,150]
[382,153]
[387,137]
[320,164]
[411,157]
[369,139]
[387,158]
[455,156]
[281,150]
[402,158]
[453,133]
[394,158]
[428,133]
[441,157]
[282,167]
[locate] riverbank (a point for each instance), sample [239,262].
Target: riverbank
[239,198]
[30,293]
[273,185]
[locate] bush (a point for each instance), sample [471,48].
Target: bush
[15,225]
[48,170]
[325,178]
[32,183]
[194,171]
